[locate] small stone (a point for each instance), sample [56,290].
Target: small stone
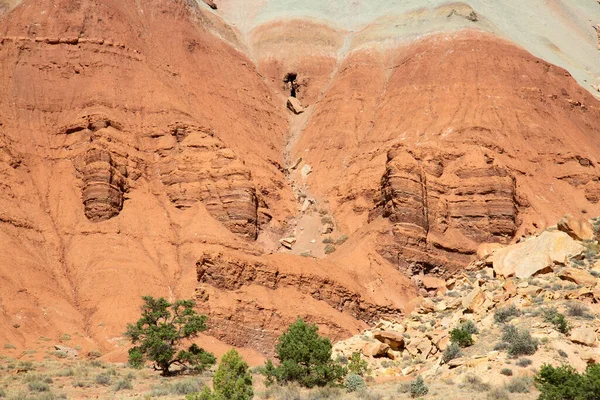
[294,105]
[288,242]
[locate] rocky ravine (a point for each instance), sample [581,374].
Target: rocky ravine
[147,149]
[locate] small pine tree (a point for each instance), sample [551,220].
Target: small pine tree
[232,381]
[158,334]
[357,365]
[305,357]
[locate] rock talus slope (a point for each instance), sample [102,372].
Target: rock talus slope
[145,148]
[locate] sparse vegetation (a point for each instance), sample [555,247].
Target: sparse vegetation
[357,365]
[475,383]
[103,379]
[305,357]
[519,341]
[418,387]
[498,394]
[504,315]
[452,351]
[576,309]
[158,334]
[329,249]
[524,362]
[354,382]
[9,346]
[506,371]
[562,353]
[520,384]
[551,315]
[341,240]
[123,384]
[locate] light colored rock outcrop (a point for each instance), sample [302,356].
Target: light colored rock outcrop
[536,254]
[583,335]
[577,228]
[578,276]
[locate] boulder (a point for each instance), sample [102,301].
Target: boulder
[457,362]
[583,335]
[375,349]
[474,300]
[535,255]
[576,227]
[294,105]
[433,282]
[427,306]
[394,340]
[579,276]
[484,250]
[288,242]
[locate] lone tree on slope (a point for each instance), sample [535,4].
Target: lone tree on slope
[157,336]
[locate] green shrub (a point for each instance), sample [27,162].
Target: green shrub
[123,384]
[505,314]
[461,337]
[566,383]
[357,365]
[506,371]
[519,341]
[452,351]
[2,393]
[551,315]
[232,381]
[305,357]
[103,379]
[354,382]
[9,346]
[501,346]
[418,387]
[520,384]
[158,335]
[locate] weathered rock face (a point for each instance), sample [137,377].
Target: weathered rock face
[439,211]
[577,228]
[196,166]
[251,300]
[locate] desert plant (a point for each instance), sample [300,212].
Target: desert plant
[475,383]
[498,394]
[158,334]
[504,315]
[520,384]
[329,249]
[103,379]
[123,384]
[341,240]
[461,337]
[357,365]
[524,362]
[519,341]
[38,386]
[575,309]
[501,346]
[566,383]
[452,351]
[506,371]
[551,315]
[354,382]
[418,387]
[305,357]
[232,381]
[469,327]
[9,346]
